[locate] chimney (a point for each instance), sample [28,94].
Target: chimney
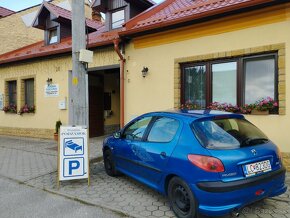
[96,15]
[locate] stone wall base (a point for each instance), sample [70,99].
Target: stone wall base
[27,132]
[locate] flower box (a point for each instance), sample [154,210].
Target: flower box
[258,112]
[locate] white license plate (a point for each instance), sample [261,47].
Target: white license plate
[256,168]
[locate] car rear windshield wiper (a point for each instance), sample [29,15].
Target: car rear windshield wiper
[254,141]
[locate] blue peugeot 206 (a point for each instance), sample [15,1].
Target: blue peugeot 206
[206,162]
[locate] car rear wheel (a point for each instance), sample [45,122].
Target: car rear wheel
[181,198]
[109,163]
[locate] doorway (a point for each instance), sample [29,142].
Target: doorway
[104,101]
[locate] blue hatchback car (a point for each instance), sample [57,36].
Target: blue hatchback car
[206,162]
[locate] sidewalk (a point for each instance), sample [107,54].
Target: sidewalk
[34,162]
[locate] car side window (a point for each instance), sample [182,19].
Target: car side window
[163,130]
[136,130]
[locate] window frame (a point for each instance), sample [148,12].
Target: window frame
[25,91]
[8,92]
[111,16]
[240,75]
[57,28]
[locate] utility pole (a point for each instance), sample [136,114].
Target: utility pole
[78,109]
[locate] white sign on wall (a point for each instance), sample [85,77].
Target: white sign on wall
[1,101]
[51,90]
[73,153]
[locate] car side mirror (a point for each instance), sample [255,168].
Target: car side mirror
[117,135]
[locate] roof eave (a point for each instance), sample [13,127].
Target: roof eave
[196,17]
[50,53]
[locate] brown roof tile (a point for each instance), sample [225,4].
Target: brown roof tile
[38,49]
[61,12]
[177,11]
[4,12]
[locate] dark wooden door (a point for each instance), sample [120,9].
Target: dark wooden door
[96,105]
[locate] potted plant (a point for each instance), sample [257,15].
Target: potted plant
[57,126]
[264,105]
[12,108]
[26,109]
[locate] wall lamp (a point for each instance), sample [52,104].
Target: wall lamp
[49,81]
[145,71]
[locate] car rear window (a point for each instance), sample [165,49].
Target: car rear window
[227,133]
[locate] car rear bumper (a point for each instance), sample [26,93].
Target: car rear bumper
[231,197]
[240,184]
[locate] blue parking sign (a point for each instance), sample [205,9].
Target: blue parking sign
[73,153]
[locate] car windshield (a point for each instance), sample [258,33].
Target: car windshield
[227,133]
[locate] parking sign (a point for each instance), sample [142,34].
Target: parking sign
[73,153]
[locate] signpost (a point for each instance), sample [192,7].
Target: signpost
[73,154]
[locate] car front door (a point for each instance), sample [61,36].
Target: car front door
[130,139]
[154,151]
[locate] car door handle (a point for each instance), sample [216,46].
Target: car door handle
[163,154]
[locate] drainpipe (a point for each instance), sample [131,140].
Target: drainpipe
[122,69]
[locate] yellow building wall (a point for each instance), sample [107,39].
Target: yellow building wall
[159,52]
[42,122]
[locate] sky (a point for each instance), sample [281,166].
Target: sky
[17,5]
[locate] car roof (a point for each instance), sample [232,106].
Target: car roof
[196,114]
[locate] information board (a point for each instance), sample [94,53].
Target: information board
[51,90]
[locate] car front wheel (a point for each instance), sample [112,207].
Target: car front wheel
[109,163]
[181,198]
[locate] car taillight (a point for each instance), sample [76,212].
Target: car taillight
[279,153]
[207,163]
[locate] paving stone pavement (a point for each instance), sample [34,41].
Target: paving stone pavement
[120,194]
[46,146]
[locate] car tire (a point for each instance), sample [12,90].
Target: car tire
[109,163]
[181,198]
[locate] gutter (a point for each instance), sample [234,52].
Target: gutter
[122,69]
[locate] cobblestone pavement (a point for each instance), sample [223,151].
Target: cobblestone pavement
[120,194]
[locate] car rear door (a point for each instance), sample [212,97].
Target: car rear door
[155,150]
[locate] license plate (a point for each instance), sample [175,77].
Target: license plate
[256,168]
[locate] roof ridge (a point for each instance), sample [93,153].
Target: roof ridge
[200,4]
[50,4]
[129,24]
[7,9]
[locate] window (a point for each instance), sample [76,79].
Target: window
[163,130]
[224,82]
[29,92]
[259,79]
[136,130]
[118,18]
[12,93]
[52,36]
[227,133]
[236,81]
[194,85]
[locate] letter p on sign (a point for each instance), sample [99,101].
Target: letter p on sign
[73,167]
